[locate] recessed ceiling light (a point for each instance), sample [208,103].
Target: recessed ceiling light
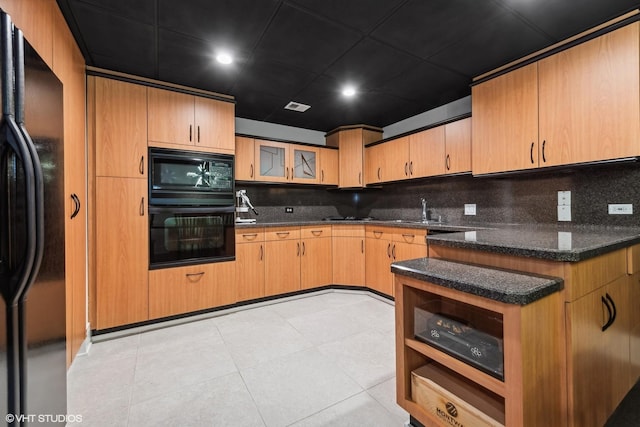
[349,91]
[224,58]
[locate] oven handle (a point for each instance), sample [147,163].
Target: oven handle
[192,209]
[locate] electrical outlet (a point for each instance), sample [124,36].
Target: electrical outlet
[470,209]
[564,198]
[621,209]
[288,210]
[564,213]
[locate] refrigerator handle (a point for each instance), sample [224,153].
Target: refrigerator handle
[18,45]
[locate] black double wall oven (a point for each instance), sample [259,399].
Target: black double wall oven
[191,208]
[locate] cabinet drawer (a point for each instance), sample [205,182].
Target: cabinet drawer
[316,231]
[249,235]
[282,233]
[588,275]
[410,235]
[181,290]
[375,232]
[633,259]
[347,230]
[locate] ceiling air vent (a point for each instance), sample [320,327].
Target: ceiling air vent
[296,106]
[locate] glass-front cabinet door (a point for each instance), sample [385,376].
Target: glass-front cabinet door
[283,162]
[272,159]
[305,164]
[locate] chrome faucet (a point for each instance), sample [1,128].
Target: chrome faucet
[424,209]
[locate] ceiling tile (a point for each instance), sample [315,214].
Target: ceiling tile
[362,15]
[304,41]
[139,10]
[427,27]
[274,78]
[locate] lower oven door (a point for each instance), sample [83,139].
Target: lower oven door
[190,235]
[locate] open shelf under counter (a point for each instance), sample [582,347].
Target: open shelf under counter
[519,315]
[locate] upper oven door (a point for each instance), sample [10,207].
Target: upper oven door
[190,178]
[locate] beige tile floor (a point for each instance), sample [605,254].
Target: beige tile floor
[322,360]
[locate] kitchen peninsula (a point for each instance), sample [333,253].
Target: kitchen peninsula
[568,350]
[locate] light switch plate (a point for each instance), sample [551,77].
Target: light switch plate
[564,213]
[470,209]
[564,198]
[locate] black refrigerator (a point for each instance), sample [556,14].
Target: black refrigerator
[32,277]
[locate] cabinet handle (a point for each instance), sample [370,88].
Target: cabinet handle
[406,168]
[610,319]
[379,174]
[194,277]
[141,168]
[287,172]
[377,234]
[316,232]
[362,246]
[261,252]
[142,206]
[447,162]
[298,252]
[198,133]
[250,236]
[412,236]
[544,157]
[531,152]
[322,175]
[389,250]
[282,233]
[76,202]
[190,133]
[304,249]
[411,167]
[359,177]
[251,171]
[613,305]
[393,252]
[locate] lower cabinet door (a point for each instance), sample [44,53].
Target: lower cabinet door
[599,360]
[315,262]
[282,266]
[181,290]
[348,260]
[378,265]
[250,270]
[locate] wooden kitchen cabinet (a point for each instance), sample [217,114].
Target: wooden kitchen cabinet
[388,161]
[177,118]
[600,368]
[122,255]
[505,122]
[351,141]
[440,150]
[119,126]
[250,263]
[282,260]
[531,391]
[180,290]
[329,167]
[457,137]
[385,245]
[245,159]
[633,269]
[348,243]
[315,258]
[578,105]
[596,362]
[284,162]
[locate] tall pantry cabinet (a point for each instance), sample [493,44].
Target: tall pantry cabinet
[118,129]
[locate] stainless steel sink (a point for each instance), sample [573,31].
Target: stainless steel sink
[408,221]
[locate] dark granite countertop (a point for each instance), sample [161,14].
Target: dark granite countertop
[499,285]
[557,243]
[383,223]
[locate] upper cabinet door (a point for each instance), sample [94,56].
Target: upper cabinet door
[505,122]
[304,164]
[171,117]
[427,153]
[214,124]
[590,100]
[245,168]
[120,126]
[329,174]
[458,146]
[273,162]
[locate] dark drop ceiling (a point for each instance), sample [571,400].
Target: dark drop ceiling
[403,56]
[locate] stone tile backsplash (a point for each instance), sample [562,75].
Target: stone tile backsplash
[522,198]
